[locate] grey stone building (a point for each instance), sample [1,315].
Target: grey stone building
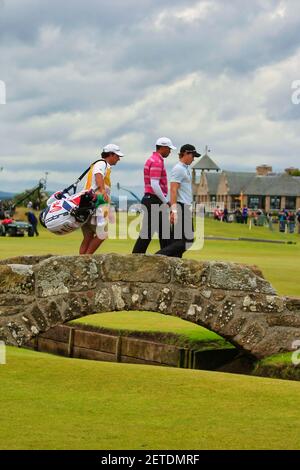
[262,189]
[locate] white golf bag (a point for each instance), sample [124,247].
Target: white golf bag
[66,213]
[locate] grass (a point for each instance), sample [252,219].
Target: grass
[280,366]
[51,402]
[128,322]
[278,359]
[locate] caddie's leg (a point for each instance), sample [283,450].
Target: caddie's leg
[88,235]
[85,243]
[93,246]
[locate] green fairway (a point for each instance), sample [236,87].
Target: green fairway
[278,359]
[284,365]
[50,402]
[152,322]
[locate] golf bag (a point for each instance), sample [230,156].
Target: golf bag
[65,213]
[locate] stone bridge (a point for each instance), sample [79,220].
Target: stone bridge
[235,301]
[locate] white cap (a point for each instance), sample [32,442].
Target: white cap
[114,149]
[165,142]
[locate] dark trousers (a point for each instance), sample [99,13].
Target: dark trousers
[182,233]
[155,220]
[35,230]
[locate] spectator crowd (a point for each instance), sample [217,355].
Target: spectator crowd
[287,220]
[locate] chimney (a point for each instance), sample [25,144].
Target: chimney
[263,170]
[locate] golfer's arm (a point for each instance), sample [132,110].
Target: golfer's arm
[157,190]
[100,183]
[173,194]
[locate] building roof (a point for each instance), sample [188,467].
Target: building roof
[249,183]
[280,184]
[238,181]
[274,185]
[205,163]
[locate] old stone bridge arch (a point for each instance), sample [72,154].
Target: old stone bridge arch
[235,301]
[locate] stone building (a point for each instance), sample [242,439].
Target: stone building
[262,189]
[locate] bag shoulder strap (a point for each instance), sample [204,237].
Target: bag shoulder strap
[90,167]
[74,185]
[90,174]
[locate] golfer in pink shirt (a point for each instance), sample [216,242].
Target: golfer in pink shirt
[155,200]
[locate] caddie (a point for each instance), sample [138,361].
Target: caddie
[95,230]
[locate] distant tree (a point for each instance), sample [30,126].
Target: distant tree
[293,171]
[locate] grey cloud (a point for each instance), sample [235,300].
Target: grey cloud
[23,19]
[94,72]
[278,103]
[236,38]
[67,167]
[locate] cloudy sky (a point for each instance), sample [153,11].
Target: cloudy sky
[81,74]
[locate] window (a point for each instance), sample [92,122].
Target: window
[254,202]
[290,203]
[275,202]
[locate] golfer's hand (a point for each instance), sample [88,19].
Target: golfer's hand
[173,217]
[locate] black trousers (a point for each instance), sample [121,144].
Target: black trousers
[155,220]
[182,233]
[35,230]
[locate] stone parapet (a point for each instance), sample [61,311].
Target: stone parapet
[230,299]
